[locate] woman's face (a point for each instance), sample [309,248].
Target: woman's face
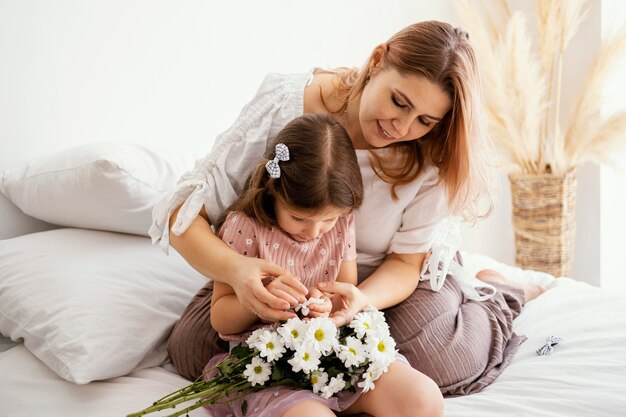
[397,108]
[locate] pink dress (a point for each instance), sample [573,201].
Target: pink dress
[313,261]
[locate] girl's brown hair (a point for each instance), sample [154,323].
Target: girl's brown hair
[458,145]
[322,171]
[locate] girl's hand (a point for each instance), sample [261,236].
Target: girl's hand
[319,310]
[247,283]
[348,301]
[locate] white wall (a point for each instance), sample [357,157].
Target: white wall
[612,179]
[161,72]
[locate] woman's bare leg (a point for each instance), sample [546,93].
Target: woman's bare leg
[531,291]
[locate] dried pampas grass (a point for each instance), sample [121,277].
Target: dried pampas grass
[522,86]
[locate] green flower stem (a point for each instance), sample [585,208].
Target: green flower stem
[174,403]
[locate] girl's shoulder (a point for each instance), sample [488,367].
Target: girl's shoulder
[238,220]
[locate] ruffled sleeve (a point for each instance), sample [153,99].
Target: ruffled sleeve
[422,217]
[428,227]
[216,180]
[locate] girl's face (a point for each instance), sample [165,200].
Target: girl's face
[304,225]
[397,108]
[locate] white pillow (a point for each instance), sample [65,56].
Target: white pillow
[92,305]
[106,186]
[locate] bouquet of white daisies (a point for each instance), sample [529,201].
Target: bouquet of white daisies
[309,354]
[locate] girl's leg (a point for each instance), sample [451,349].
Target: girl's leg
[309,408]
[463,345]
[193,341]
[401,392]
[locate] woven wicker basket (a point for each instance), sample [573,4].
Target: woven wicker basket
[543,221]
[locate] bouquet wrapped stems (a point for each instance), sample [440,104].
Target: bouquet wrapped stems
[311,354]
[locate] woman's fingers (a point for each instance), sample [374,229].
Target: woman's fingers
[269,314]
[282,293]
[294,283]
[285,284]
[261,294]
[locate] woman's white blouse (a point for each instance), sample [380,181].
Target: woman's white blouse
[417,222]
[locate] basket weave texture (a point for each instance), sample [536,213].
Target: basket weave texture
[543,221]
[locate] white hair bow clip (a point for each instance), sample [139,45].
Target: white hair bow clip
[282,154]
[547,349]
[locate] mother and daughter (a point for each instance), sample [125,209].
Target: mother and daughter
[308,215]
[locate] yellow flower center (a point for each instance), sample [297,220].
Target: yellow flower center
[258,369]
[367,325]
[314,379]
[306,356]
[381,347]
[295,333]
[319,335]
[353,351]
[270,346]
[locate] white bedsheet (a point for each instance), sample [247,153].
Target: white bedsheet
[584,377]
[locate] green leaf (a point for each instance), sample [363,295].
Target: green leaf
[277,373]
[240,351]
[244,407]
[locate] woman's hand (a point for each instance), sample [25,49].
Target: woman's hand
[251,292]
[288,288]
[348,301]
[319,310]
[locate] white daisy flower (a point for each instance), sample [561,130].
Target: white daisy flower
[335,385]
[305,306]
[367,383]
[361,323]
[293,332]
[270,345]
[254,339]
[304,247]
[370,321]
[337,241]
[381,350]
[319,379]
[258,371]
[353,352]
[331,262]
[305,359]
[323,252]
[291,262]
[276,245]
[322,333]
[248,241]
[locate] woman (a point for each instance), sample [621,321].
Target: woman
[413,114]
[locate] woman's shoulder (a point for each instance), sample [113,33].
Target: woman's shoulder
[278,83]
[320,94]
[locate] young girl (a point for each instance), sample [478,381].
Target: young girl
[297,211]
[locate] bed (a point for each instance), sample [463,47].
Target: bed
[87,303]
